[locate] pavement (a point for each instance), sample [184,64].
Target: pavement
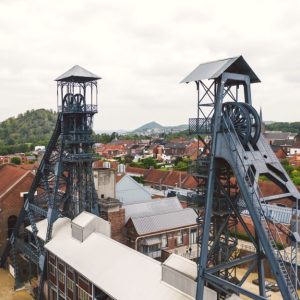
[7,291]
[254,288]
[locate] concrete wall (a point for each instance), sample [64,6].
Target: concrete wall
[105,182]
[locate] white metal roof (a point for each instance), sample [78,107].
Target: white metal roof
[214,69]
[83,219]
[158,206]
[182,265]
[118,270]
[156,223]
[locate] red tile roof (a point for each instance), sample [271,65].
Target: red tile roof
[119,177]
[10,175]
[174,178]
[139,171]
[190,183]
[155,176]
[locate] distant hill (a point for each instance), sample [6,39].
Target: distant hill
[149,126]
[154,127]
[32,127]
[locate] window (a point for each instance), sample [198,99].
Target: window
[70,284]
[51,268]
[193,236]
[61,276]
[83,295]
[164,241]
[179,239]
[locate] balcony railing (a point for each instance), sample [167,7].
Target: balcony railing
[80,157]
[87,108]
[200,125]
[154,254]
[74,139]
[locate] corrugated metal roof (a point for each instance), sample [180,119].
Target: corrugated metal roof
[278,214]
[182,265]
[177,219]
[155,207]
[77,74]
[214,69]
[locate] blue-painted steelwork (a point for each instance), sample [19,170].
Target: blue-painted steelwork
[235,154]
[64,184]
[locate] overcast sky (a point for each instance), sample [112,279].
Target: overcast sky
[142,49]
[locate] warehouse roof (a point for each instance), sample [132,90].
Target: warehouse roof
[156,223]
[121,272]
[151,208]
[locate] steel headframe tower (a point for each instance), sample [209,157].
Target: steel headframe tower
[63,185]
[234,156]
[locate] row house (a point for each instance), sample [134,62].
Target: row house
[14,186]
[174,149]
[161,226]
[110,151]
[272,136]
[123,202]
[163,180]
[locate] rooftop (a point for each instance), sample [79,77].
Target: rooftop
[77,74]
[214,69]
[161,222]
[10,176]
[151,208]
[121,272]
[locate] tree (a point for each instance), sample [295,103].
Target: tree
[16,160]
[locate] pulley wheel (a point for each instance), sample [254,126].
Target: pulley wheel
[237,116]
[255,123]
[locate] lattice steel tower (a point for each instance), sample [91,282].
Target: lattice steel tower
[228,170]
[63,185]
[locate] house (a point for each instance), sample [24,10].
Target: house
[111,150]
[279,151]
[15,183]
[154,233]
[295,148]
[94,266]
[163,180]
[271,136]
[174,149]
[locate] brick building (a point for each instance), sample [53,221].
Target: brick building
[94,266]
[15,183]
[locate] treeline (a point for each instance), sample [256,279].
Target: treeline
[22,133]
[284,126]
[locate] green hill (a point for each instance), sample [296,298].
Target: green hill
[22,133]
[151,125]
[284,126]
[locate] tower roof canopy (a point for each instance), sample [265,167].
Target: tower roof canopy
[214,69]
[77,74]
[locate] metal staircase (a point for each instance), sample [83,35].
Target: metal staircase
[232,127]
[63,185]
[250,191]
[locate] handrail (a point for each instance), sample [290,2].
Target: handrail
[230,130]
